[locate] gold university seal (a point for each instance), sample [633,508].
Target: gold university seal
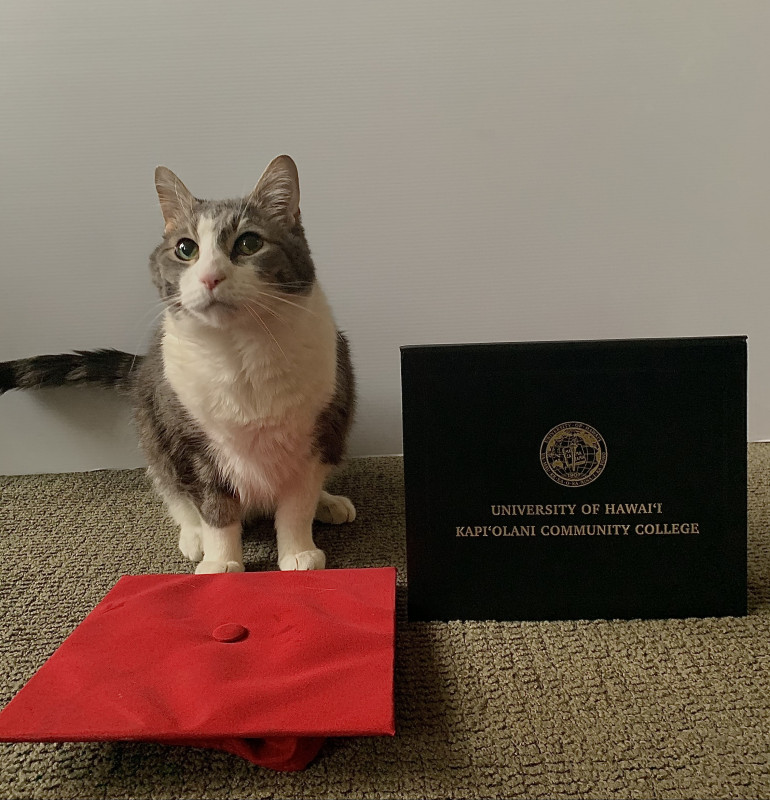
[573,454]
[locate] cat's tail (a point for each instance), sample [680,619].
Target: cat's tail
[111,368]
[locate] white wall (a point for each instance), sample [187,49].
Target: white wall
[470,171]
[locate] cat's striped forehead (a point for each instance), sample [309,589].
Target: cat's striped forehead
[222,220]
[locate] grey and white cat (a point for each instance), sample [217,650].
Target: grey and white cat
[246,395]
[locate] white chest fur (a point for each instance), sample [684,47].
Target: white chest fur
[256,395]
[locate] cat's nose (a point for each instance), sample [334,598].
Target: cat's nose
[211,281]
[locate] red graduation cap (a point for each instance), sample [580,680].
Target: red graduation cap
[261,664]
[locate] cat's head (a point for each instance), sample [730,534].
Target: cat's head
[223,260]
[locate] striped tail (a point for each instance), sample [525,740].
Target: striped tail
[110,368]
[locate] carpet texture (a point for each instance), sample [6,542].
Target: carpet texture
[647,709]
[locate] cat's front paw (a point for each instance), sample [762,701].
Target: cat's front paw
[214,567]
[334,509]
[308,559]
[190,543]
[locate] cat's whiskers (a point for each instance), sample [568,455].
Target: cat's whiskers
[172,299]
[259,319]
[157,314]
[292,284]
[166,303]
[290,302]
[264,307]
[154,310]
[142,323]
[162,302]
[133,363]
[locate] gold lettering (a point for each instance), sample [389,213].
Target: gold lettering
[534,510]
[633,508]
[666,528]
[584,530]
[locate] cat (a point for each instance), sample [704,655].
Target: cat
[244,400]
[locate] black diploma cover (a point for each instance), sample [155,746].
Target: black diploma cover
[576,480]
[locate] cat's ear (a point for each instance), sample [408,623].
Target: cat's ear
[277,192]
[176,201]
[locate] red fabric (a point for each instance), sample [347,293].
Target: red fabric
[316,660]
[287,754]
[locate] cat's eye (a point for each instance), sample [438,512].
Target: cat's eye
[247,245]
[186,249]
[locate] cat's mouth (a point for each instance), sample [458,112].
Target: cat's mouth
[209,309]
[213,302]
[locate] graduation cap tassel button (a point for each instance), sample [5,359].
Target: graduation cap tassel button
[231,632]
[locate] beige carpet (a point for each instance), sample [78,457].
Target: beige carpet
[662,709]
